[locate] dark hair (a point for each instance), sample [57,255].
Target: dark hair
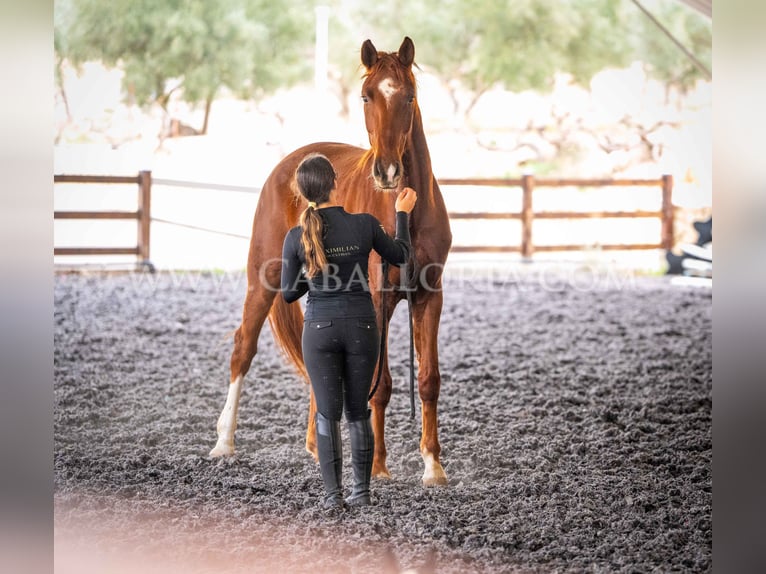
[315,178]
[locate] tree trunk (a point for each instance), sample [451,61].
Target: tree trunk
[345,92]
[208,105]
[476,96]
[62,89]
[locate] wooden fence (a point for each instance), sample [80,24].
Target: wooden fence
[527,215]
[142,216]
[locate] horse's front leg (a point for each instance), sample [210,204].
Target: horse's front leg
[382,395]
[425,314]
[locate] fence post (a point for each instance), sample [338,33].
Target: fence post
[144,218]
[667,212]
[527,185]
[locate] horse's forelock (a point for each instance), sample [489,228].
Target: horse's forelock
[388,64]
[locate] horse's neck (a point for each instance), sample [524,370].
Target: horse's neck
[418,165]
[418,159]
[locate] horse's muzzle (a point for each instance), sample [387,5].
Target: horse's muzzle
[386,175]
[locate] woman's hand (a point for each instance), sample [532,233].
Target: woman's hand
[405,201]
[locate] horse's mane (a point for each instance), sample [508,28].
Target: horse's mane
[364,158]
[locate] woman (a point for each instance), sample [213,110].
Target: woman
[326,256]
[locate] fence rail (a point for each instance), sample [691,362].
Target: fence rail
[527,215]
[142,216]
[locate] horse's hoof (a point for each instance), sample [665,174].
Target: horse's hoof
[435,480]
[222,449]
[382,473]
[434,474]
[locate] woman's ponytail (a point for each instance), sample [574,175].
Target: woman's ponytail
[311,238]
[315,179]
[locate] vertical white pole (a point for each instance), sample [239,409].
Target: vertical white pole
[322,48]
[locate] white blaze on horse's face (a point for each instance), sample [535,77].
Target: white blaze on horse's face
[387,128]
[388,88]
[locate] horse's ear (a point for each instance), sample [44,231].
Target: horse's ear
[407,52]
[369,54]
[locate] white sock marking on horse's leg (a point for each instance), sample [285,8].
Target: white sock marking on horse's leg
[227,422]
[434,473]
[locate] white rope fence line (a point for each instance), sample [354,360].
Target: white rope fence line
[208,186]
[197,228]
[211,186]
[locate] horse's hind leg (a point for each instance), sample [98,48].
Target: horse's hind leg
[311,430]
[257,304]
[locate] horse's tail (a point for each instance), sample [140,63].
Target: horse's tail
[286,322]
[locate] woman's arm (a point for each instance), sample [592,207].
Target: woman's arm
[294,284]
[397,250]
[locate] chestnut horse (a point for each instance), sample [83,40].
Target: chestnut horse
[368,181]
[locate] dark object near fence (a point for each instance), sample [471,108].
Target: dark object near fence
[705,231]
[691,261]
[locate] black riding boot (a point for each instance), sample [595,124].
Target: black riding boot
[362,450]
[330,453]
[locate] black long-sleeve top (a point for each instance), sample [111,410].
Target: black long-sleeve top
[348,239]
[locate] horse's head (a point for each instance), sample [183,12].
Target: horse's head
[388,93]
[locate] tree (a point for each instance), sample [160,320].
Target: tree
[194,47]
[474,45]
[664,60]
[62,20]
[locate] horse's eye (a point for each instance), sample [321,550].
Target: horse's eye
[411,100]
[365,99]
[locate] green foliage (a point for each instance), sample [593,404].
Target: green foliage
[518,43]
[602,38]
[662,58]
[251,47]
[521,44]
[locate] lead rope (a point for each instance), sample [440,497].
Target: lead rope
[412,357]
[383,330]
